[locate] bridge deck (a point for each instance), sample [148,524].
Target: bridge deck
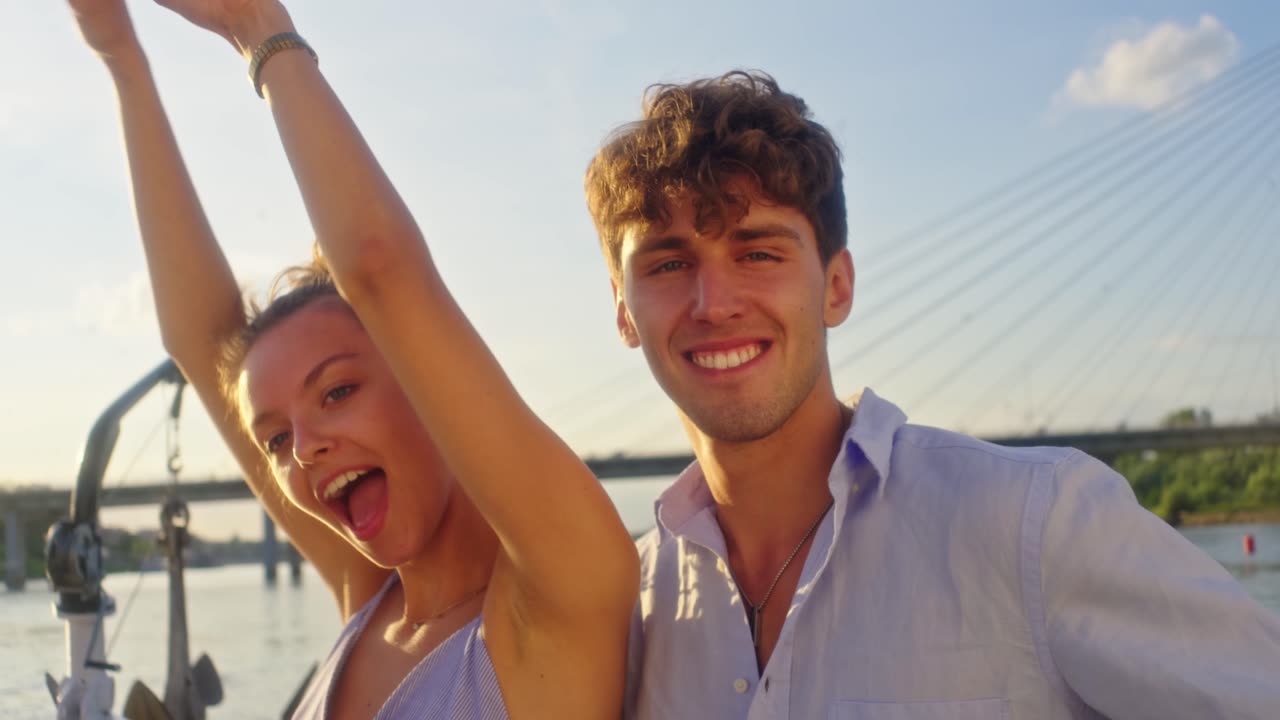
[622,467]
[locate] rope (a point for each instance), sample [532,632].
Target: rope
[128,605]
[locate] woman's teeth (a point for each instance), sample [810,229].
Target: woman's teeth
[335,487]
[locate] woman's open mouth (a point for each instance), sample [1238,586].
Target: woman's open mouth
[359,499]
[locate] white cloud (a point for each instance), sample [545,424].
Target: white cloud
[1148,68]
[121,310]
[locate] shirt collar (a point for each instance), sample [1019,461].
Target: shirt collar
[875,422]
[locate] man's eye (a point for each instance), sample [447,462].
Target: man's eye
[274,442]
[338,393]
[670,266]
[760,256]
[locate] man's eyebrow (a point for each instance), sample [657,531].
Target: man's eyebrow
[307,382]
[755,232]
[661,242]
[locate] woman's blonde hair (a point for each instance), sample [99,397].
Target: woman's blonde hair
[293,289]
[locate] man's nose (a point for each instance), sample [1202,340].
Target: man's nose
[717,295]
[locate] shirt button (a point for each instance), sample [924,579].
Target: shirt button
[740,685]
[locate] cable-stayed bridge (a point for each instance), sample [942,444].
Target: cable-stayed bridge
[1076,304]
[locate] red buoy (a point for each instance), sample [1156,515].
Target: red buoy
[1250,544]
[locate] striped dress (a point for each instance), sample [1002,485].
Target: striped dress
[455,681]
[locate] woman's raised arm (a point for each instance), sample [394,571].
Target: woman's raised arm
[197,300]
[571,563]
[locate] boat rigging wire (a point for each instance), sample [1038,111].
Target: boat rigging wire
[128,605]
[173,453]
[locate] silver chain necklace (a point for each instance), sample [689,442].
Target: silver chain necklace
[418,625]
[755,613]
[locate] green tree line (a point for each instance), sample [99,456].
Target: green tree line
[1173,484]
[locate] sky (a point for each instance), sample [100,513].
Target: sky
[485,114]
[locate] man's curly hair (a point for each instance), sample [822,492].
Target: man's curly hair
[701,140]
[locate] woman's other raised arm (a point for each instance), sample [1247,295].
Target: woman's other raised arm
[198,303]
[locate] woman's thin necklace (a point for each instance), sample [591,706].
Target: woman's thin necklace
[418,624]
[755,613]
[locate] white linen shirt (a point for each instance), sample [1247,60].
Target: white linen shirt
[954,579]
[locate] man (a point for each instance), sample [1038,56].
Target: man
[821,561]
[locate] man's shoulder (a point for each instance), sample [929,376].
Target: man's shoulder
[934,460]
[934,446]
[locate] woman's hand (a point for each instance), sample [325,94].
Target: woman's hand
[243,23]
[107,29]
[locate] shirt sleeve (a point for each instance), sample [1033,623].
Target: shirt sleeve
[1140,622]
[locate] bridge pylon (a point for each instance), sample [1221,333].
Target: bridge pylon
[15,551]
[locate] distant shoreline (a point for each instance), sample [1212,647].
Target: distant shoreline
[1234,517]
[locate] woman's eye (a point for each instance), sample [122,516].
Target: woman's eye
[338,393]
[274,442]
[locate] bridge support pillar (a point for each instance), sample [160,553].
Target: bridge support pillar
[15,555]
[294,559]
[270,550]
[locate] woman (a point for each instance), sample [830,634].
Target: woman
[478,565]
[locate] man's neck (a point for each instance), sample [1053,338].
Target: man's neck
[769,491]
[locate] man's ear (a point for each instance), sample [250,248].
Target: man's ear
[626,328]
[839,296]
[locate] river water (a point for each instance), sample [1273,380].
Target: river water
[264,639]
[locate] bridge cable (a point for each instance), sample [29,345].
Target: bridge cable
[973,279]
[662,426]
[1223,263]
[591,393]
[1257,366]
[614,407]
[1096,198]
[1162,283]
[1086,176]
[1135,125]
[1078,274]
[1267,280]
[1266,290]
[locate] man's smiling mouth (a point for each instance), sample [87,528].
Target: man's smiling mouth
[727,358]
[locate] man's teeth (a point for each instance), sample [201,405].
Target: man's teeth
[725,359]
[340,482]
